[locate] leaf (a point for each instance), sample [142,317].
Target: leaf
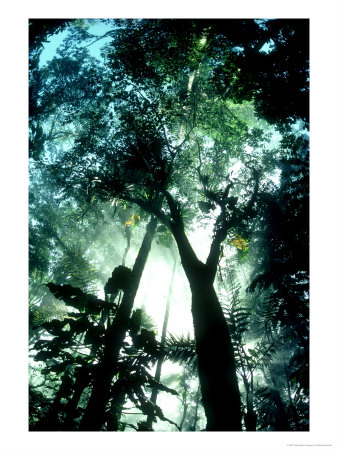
[54,327]
[44,355]
[239,242]
[162,387]
[120,279]
[76,298]
[80,325]
[71,296]
[205,207]
[134,220]
[93,336]
[56,368]
[135,321]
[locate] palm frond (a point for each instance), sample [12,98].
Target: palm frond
[181,350]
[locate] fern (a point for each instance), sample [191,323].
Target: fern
[78,270]
[181,350]
[264,353]
[238,318]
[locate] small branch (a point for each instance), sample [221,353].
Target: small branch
[202,178]
[175,213]
[128,237]
[148,207]
[249,207]
[109,33]
[222,226]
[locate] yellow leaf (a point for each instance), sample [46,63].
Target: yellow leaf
[239,242]
[134,219]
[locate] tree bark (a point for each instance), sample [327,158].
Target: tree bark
[51,422]
[94,416]
[80,384]
[281,422]
[250,418]
[216,362]
[292,406]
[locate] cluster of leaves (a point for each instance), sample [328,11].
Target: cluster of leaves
[73,348]
[273,377]
[181,349]
[239,322]
[283,275]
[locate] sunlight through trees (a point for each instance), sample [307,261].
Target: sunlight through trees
[169,234]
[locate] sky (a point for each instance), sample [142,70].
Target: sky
[324,217]
[94,49]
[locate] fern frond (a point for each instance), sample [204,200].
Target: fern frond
[181,350]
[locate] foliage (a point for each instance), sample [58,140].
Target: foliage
[73,349]
[181,350]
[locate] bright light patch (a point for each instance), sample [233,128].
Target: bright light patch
[275,177]
[267,47]
[248,149]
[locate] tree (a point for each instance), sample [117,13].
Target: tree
[94,415]
[154,392]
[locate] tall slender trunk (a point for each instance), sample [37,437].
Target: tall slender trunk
[94,416]
[281,423]
[81,383]
[250,418]
[154,392]
[216,362]
[197,402]
[292,406]
[116,407]
[128,237]
[185,400]
[51,422]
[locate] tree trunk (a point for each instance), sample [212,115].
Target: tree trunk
[216,362]
[250,418]
[116,407]
[292,406]
[80,384]
[51,422]
[185,403]
[94,416]
[154,391]
[282,423]
[197,402]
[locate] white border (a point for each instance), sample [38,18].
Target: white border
[13,383]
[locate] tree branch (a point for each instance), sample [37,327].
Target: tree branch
[215,248]
[174,210]
[150,208]
[222,226]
